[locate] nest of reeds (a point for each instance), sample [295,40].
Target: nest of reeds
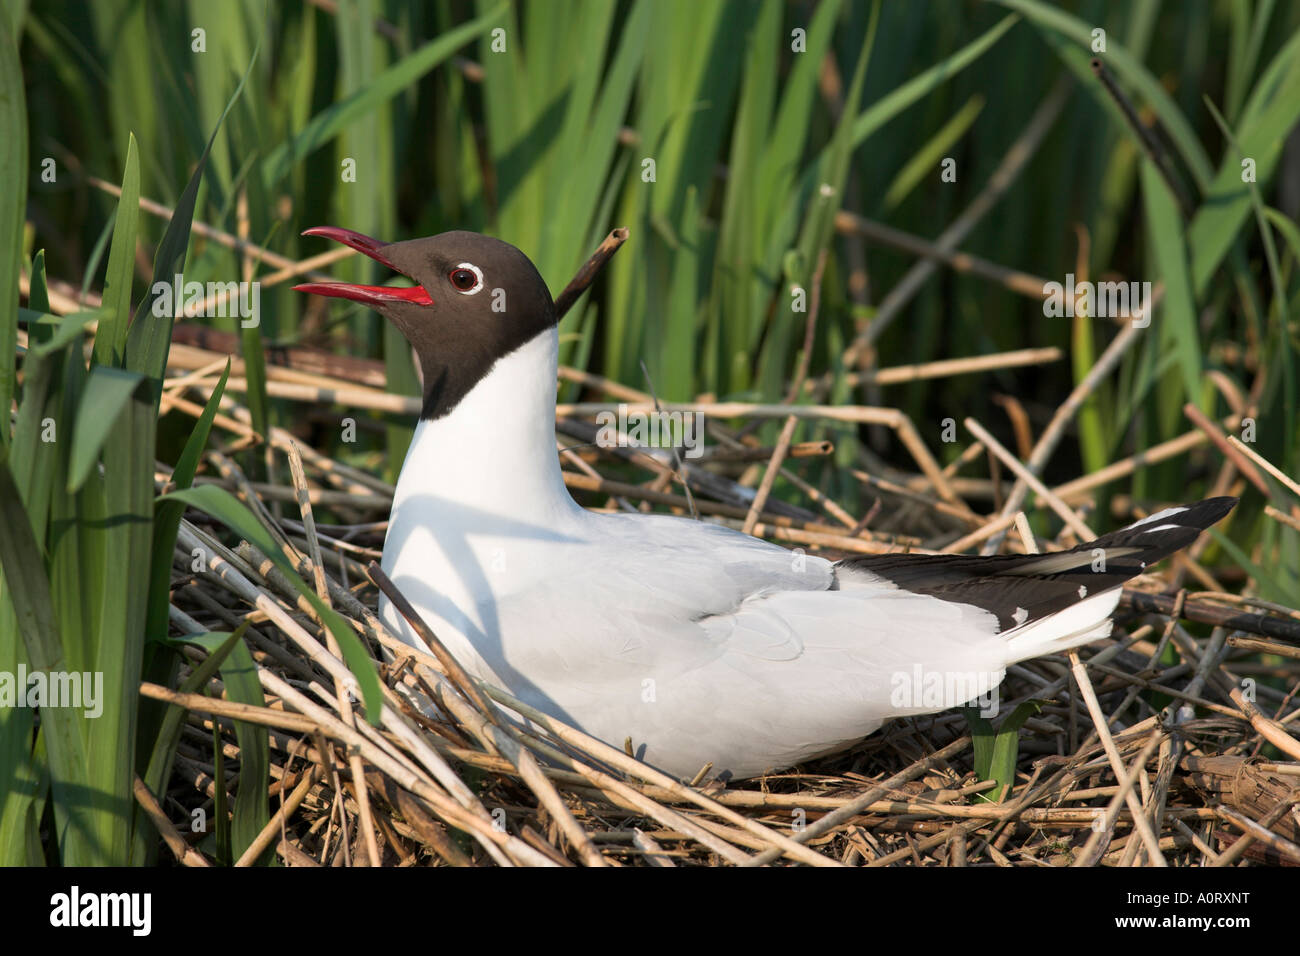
[1110,755]
[1111,769]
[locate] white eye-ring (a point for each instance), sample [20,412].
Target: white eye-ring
[466,278]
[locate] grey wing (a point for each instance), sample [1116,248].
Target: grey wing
[648,593]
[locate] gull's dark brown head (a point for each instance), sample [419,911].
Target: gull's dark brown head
[475,300]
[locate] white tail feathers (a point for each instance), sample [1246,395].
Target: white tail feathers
[1078,624]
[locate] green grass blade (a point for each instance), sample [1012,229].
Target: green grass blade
[996,750]
[114,535]
[745,205]
[108,390]
[674,372]
[30,455]
[1275,583]
[158,662]
[1290,232]
[220,846]
[167,516]
[50,333]
[1244,56]
[29,585]
[38,296]
[21,781]
[110,340]
[251,810]
[28,591]
[927,158]
[1006,746]
[1270,255]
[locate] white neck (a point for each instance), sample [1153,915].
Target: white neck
[495,451]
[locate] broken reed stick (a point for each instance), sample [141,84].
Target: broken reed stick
[945,368]
[1255,832]
[942,507]
[354,396]
[1024,474]
[1234,852]
[185,854]
[1278,516]
[587,273]
[1212,431]
[1272,731]
[769,475]
[800,449]
[1264,647]
[1100,724]
[1276,627]
[1264,463]
[265,716]
[275,826]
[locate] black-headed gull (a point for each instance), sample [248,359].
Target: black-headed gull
[700,644]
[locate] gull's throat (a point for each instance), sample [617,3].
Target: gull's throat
[494,452]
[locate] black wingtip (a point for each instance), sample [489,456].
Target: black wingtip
[1166,531]
[1219,507]
[1037,585]
[1199,514]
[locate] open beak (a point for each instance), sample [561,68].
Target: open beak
[372,295]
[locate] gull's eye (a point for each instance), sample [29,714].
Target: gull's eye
[467,278]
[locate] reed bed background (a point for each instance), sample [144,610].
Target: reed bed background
[191,507]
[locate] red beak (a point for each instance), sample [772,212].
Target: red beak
[371,295]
